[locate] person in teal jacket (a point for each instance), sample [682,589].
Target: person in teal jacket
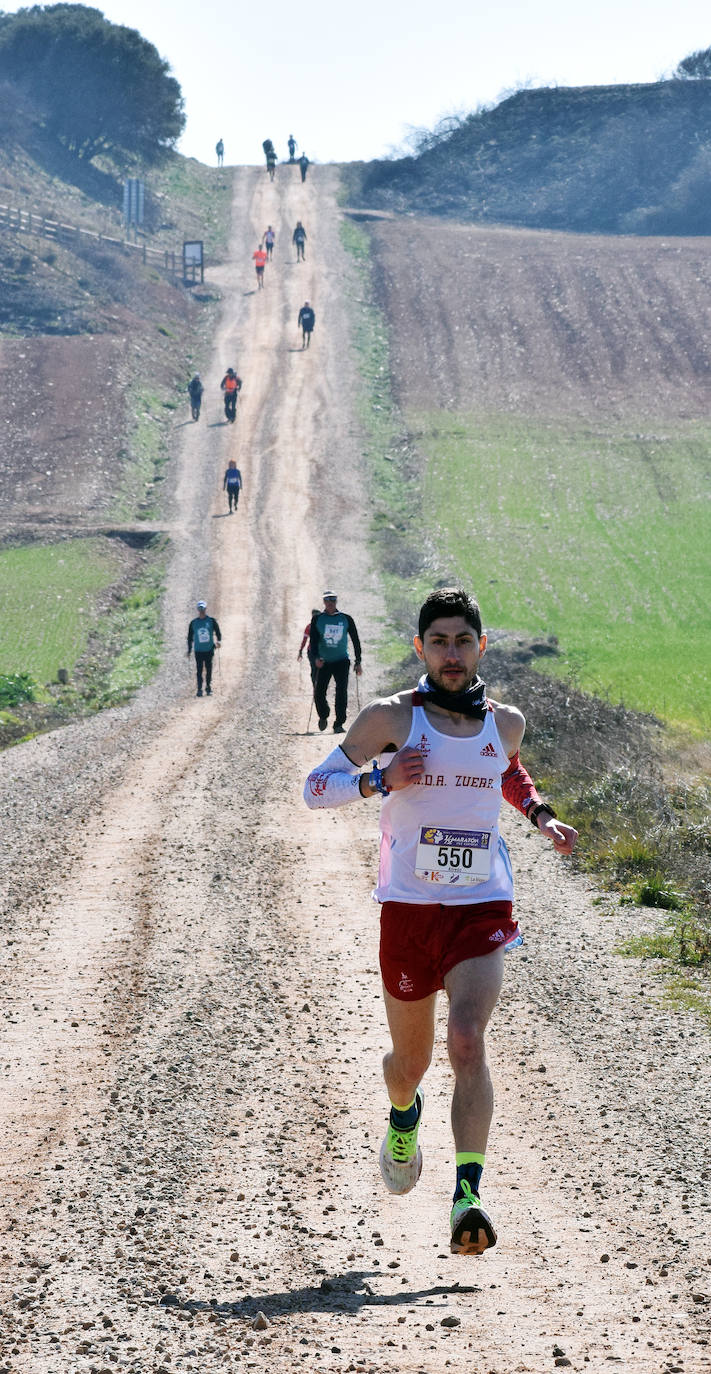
[203,638]
[330,629]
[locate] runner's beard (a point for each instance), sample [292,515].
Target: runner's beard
[452,692]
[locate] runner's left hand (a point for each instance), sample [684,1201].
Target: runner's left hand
[563,836]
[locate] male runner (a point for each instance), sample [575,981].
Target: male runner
[447,756]
[220,150]
[268,241]
[299,239]
[195,390]
[203,636]
[303,166]
[291,145]
[306,322]
[328,636]
[232,484]
[260,260]
[231,385]
[306,640]
[270,155]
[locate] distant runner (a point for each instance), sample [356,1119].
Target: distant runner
[195,390]
[304,166]
[220,150]
[306,322]
[231,385]
[306,640]
[260,260]
[232,484]
[299,238]
[291,145]
[204,635]
[270,155]
[268,241]
[328,633]
[447,754]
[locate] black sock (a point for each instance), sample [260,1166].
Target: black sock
[472,1174]
[405,1120]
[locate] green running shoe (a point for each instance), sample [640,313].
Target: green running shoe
[401,1156]
[472,1229]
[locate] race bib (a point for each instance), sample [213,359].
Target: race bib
[459,858]
[203,635]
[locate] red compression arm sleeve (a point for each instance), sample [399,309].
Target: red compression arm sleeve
[518,787]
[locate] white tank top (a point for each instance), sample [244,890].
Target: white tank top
[439,838]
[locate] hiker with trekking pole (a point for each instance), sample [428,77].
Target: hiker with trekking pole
[329,632]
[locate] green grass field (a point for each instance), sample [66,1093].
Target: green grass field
[46,603]
[602,538]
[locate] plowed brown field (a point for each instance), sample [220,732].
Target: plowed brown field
[544,323]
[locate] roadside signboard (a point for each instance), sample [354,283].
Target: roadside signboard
[193,260]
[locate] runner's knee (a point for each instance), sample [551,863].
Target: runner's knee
[465,1041]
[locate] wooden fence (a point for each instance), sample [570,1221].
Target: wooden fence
[27,222]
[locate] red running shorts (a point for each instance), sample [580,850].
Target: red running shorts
[420,944]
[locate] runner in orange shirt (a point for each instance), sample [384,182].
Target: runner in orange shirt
[260,258]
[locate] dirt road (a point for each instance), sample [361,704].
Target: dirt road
[192,1099]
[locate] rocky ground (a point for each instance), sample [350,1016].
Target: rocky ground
[192,1033]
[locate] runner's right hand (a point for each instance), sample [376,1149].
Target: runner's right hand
[406,767]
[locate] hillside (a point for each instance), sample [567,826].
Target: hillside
[555,393]
[609,159]
[96,346]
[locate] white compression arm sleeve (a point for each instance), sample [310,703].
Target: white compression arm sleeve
[334,782]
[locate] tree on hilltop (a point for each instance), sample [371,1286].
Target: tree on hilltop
[695,67]
[100,87]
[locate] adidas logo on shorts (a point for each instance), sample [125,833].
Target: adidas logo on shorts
[489,751]
[497,937]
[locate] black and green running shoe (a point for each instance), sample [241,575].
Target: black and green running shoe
[472,1228]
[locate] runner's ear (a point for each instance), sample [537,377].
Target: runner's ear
[418,647]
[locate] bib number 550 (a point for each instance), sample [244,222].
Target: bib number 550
[453,857]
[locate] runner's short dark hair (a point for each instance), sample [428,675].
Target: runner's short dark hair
[449,601]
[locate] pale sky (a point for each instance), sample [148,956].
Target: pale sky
[348,80]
